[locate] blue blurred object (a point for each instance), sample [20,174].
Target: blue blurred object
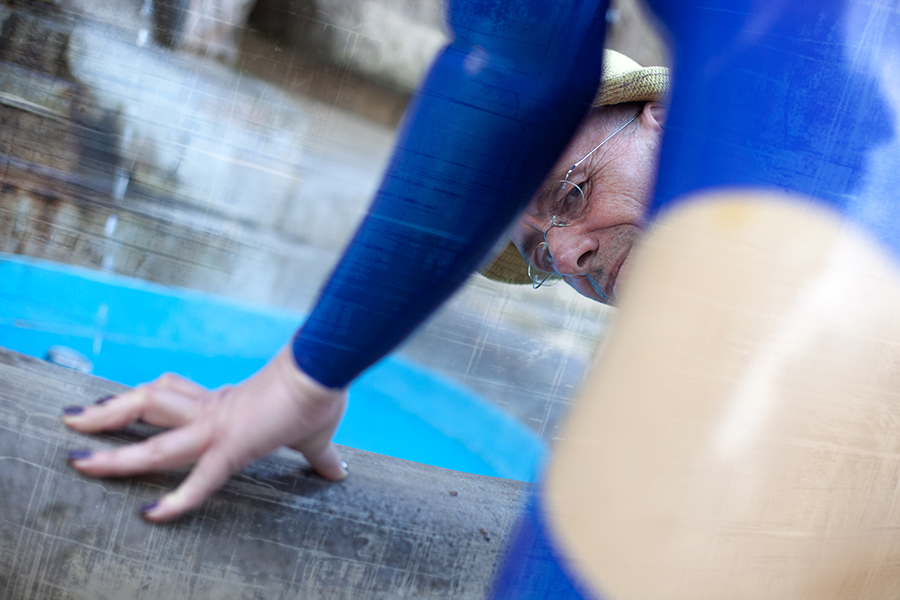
[132,331]
[791,96]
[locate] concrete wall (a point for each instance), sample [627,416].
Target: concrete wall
[177,167]
[393,43]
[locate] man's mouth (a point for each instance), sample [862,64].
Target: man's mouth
[607,290]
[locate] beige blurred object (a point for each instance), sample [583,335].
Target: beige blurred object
[740,437]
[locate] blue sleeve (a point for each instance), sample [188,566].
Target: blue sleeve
[499,105]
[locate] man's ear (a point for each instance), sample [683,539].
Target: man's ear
[654,115]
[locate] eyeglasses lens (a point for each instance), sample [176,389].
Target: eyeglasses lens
[566,203]
[566,206]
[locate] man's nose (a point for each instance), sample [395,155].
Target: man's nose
[571,249]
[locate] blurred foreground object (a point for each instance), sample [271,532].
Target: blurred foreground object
[740,436]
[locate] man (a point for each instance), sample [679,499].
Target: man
[605,178]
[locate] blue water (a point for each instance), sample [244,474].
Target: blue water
[133,331]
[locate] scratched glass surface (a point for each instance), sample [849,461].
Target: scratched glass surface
[233,154]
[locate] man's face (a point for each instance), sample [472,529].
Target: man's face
[592,253]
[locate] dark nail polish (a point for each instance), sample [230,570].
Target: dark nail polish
[73,410]
[103,400]
[148,507]
[79,454]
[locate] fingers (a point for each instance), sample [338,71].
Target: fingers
[320,451]
[210,474]
[170,401]
[162,452]
[213,471]
[179,384]
[220,431]
[166,451]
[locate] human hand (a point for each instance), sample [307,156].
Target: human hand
[219,431]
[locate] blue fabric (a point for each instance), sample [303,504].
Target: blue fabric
[497,108]
[535,567]
[785,95]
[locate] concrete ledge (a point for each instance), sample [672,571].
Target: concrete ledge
[394,529]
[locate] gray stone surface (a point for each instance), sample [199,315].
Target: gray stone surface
[388,42]
[393,529]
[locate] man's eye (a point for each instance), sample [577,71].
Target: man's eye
[567,201]
[585,188]
[542,260]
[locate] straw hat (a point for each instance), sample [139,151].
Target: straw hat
[623,81]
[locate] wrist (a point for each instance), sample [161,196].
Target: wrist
[299,383]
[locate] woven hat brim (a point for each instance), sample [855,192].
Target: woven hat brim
[508,267]
[624,80]
[644,85]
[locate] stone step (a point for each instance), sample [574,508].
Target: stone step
[393,529]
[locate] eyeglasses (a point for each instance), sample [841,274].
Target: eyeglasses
[565,206]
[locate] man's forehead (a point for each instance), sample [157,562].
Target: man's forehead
[596,128]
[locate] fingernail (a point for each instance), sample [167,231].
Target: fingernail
[104,400]
[73,410]
[79,454]
[344,467]
[148,507]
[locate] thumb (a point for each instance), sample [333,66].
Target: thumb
[327,463]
